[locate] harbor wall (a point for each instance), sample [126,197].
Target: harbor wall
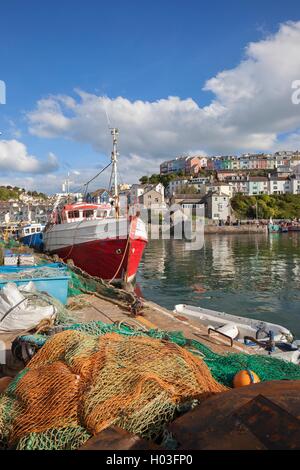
[235,229]
[214,229]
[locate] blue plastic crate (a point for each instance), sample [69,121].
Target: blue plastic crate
[56,286]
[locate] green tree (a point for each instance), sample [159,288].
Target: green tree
[154,179]
[283,206]
[144,180]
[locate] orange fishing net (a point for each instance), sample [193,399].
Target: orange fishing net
[78,384]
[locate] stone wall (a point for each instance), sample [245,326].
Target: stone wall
[226,229]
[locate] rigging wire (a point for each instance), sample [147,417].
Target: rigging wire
[86,185]
[96,176]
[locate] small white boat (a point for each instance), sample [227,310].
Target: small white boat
[240,328]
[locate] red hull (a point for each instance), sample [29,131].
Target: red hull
[106,258]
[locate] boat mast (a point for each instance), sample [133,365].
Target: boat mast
[114,160]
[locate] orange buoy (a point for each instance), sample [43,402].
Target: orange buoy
[245,377]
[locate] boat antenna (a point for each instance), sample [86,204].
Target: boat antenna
[107,118]
[114,160]
[66,184]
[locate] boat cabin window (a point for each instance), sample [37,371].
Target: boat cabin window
[38,229]
[33,230]
[73,214]
[101,213]
[26,231]
[88,213]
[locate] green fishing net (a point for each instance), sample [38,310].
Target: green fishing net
[222,367]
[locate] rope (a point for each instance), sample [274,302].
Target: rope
[123,257]
[127,245]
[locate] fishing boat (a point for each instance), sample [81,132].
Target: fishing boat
[257,334]
[32,235]
[97,237]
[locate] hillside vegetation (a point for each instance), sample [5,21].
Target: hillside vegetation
[282,206]
[10,192]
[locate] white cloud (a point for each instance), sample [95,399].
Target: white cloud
[48,184]
[14,131]
[251,108]
[15,158]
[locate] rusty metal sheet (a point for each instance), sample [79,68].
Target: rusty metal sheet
[215,423]
[272,425]
[115,438]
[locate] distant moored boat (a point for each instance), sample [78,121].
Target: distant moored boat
[32,236]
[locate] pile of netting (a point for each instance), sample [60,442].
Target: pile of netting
[78,384]
[77,285]
[222,367]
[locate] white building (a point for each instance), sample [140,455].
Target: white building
[137,190]
[279,185]
[224,188]
[152,199]
[295,184]
[175,186]
[199,184]
[217,206]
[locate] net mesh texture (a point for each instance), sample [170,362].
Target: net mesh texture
[79,384]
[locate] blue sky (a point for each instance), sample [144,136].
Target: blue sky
[139,50]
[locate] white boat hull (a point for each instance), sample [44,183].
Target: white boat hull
[108,248]
[245,326]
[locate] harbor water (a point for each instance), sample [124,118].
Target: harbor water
[255,275]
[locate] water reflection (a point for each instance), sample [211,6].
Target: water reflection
[255,275]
